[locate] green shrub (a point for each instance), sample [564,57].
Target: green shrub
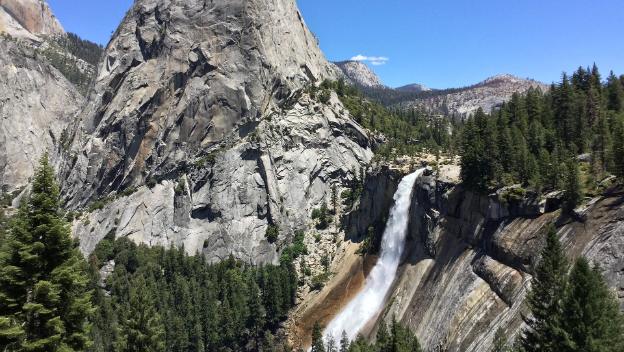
[322,216]
[272,233]
[318,281]
[295,250]
[180,187]
[324,96]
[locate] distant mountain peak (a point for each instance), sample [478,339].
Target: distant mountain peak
[414,87]
[462,102]
[509,79]
[360,74]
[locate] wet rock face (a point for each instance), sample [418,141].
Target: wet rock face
[471,260]
[201,107]
[374,204]
[37,104]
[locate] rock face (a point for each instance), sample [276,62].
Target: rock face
[36,105]
[32,16]
[470,261]
[462,102]
[208,104]
[360,74]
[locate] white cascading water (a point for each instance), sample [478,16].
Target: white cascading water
[369,302]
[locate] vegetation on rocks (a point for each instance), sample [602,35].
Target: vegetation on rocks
[75,58]
[407,132]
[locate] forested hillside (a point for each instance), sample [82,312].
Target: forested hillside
[541,139]
[402,132]
[74,57]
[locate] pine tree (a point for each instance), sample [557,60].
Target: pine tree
[592,316]
[44,297]
[257,313]
[545,332]
[615,93]
[331,344]
[383,338]
[141,327]
[564,112]
[402,340]
[344,342]
[601,146]
[617,153]
[317,339]
[572,196]
[500,342]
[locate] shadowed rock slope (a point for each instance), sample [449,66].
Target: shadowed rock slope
[200,130]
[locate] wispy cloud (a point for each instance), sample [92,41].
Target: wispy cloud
[373,60]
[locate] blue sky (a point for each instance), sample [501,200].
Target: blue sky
[439,43]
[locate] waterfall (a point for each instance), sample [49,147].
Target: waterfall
[369,302]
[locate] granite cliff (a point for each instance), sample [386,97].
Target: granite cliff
[203,129]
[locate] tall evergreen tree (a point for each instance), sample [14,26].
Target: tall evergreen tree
[592,315]
[141,327]
[44,295]
[344,342]
[545,332]
[615,93]
[500,342]
[572,196]
[617,153]
[318,345]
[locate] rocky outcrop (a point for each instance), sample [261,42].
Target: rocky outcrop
[36,105]
[471,258]
[28,18]
[209,105]
[360,74]
[463,102]
[414,88]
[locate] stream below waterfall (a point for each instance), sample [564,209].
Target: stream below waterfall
[370,300]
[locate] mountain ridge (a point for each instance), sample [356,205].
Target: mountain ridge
[453,102]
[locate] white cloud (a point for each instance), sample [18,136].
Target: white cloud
[373,60]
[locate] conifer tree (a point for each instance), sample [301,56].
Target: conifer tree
[383,338]
[318,344]
[564,112]
[615,93]
[572,196]
[545,332]
[592,317]
[617,153]
[601,146]
[44,296]
[500,342]
[344,342]
[141,327]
